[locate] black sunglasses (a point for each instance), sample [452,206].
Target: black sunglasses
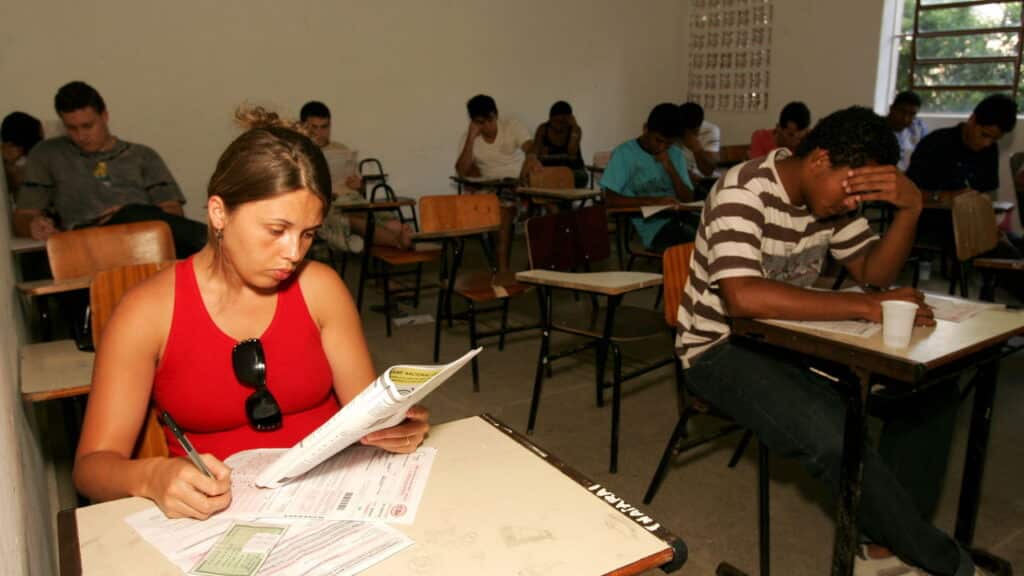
[250,366]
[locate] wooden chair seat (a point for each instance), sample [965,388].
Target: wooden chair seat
[606,283]
[636,323]
[999,263]
[399,256]
[480,287]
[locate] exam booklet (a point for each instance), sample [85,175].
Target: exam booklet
[380,405]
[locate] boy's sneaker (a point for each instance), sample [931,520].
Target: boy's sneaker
[864,565]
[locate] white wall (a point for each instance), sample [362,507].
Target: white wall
[824,53]
[25,515]
[395,74]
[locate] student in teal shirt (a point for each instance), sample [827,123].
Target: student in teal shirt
[648,170]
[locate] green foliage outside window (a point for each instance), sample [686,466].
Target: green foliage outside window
[989,44]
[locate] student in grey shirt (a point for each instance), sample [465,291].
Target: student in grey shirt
[91,178]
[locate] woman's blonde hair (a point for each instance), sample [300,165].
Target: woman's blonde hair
[272,157]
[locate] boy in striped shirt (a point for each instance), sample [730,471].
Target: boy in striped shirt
[761,244]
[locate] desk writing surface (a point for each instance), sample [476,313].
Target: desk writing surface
[54,370]
[23,245]
[491,506]
[612,283]
[560,193]
[930,346]
[51,286]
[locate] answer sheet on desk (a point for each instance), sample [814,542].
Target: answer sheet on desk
[845,327]
[957,309]
[359,483]
[308,548]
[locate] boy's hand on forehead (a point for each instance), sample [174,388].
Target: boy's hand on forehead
[880,183]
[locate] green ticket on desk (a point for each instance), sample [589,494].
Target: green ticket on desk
[240,551]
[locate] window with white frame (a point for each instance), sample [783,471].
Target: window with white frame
[954,53]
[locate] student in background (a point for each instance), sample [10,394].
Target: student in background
[92,178]
[908,127]
[701,141]
[171,338]
[19,133]
[650,170]
[343,164]
[965,156]
[557,142]
[794,121]
[767,229]
[493,148]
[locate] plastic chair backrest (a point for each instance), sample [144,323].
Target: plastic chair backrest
[568,241]
[378,167]
[459,212]
[552,177]
[84,252]
[105,292]
[733,154]
[974,225]
[675,266]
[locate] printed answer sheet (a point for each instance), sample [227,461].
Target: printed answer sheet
[308,548]
[360,483]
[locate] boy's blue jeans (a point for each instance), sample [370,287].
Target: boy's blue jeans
[798,414]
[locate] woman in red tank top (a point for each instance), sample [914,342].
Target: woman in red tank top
[245,344]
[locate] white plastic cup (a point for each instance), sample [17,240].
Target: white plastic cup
[898,322]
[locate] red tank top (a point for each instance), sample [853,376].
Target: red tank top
[196,383]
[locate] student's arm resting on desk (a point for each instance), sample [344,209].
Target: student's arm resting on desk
[118,406]
[733,227]
[341,332]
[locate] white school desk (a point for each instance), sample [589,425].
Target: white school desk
[494,504]
[945,350]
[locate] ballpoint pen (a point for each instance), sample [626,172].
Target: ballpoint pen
[185,444]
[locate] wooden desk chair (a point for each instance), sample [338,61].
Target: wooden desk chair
[559,245]
[975,233]
[677,270]
[549,177]
[84,252]
[1016,163]
[454,219]
[79,254]
[597,165]
[391,257]
[106,291]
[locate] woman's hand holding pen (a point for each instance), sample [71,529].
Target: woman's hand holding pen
[182,491]
[881,183]
[405,437]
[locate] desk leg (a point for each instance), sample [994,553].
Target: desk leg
[544,298]
[977,445]
[602,346]
[364,266]
[508,222]
[850,475]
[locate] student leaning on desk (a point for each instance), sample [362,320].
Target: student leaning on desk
[245,344]
[766,230]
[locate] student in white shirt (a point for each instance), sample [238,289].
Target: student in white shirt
[493,147]
[702,141]
[909,129]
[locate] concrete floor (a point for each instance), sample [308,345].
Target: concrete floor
[710,506]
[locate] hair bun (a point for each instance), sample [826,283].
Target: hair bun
[255,117]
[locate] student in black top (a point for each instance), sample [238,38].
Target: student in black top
[557,142]
[965,156]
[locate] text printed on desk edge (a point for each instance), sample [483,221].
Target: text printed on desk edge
[626,508]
